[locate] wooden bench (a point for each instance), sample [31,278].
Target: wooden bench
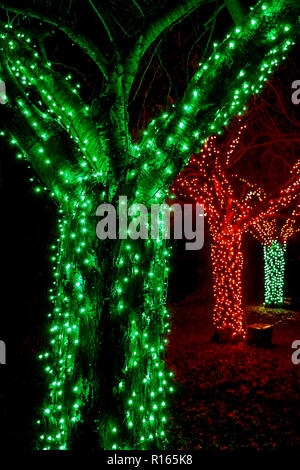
[260,334]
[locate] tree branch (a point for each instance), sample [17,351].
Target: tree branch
[103,18]
[236,10]
[49,154]
[210,99]
[157,26]
[58,96]
[87,45]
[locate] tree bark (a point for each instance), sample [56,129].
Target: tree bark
[236,10]
[107,380]
[227,258]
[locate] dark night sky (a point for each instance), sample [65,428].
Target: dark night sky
[27,229]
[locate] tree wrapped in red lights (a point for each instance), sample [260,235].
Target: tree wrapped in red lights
[274,235]
[249,175]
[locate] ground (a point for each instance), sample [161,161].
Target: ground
[233,396]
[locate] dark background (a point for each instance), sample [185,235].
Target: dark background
[27,230]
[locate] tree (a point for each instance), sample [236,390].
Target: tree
[274,235]
[241,185]
[107,381]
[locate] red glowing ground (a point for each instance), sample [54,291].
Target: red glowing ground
[233,396]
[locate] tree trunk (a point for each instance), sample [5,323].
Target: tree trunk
[274,257]
[227,259]
[106,363]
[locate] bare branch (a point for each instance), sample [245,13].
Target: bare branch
[160,24]
[236,10]
[87,45]
[138,7]
[103,18]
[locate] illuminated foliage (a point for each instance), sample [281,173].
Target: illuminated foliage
[108,387]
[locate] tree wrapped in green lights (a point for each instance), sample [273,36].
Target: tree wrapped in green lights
[108,385]
[274,236]
[274,257]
